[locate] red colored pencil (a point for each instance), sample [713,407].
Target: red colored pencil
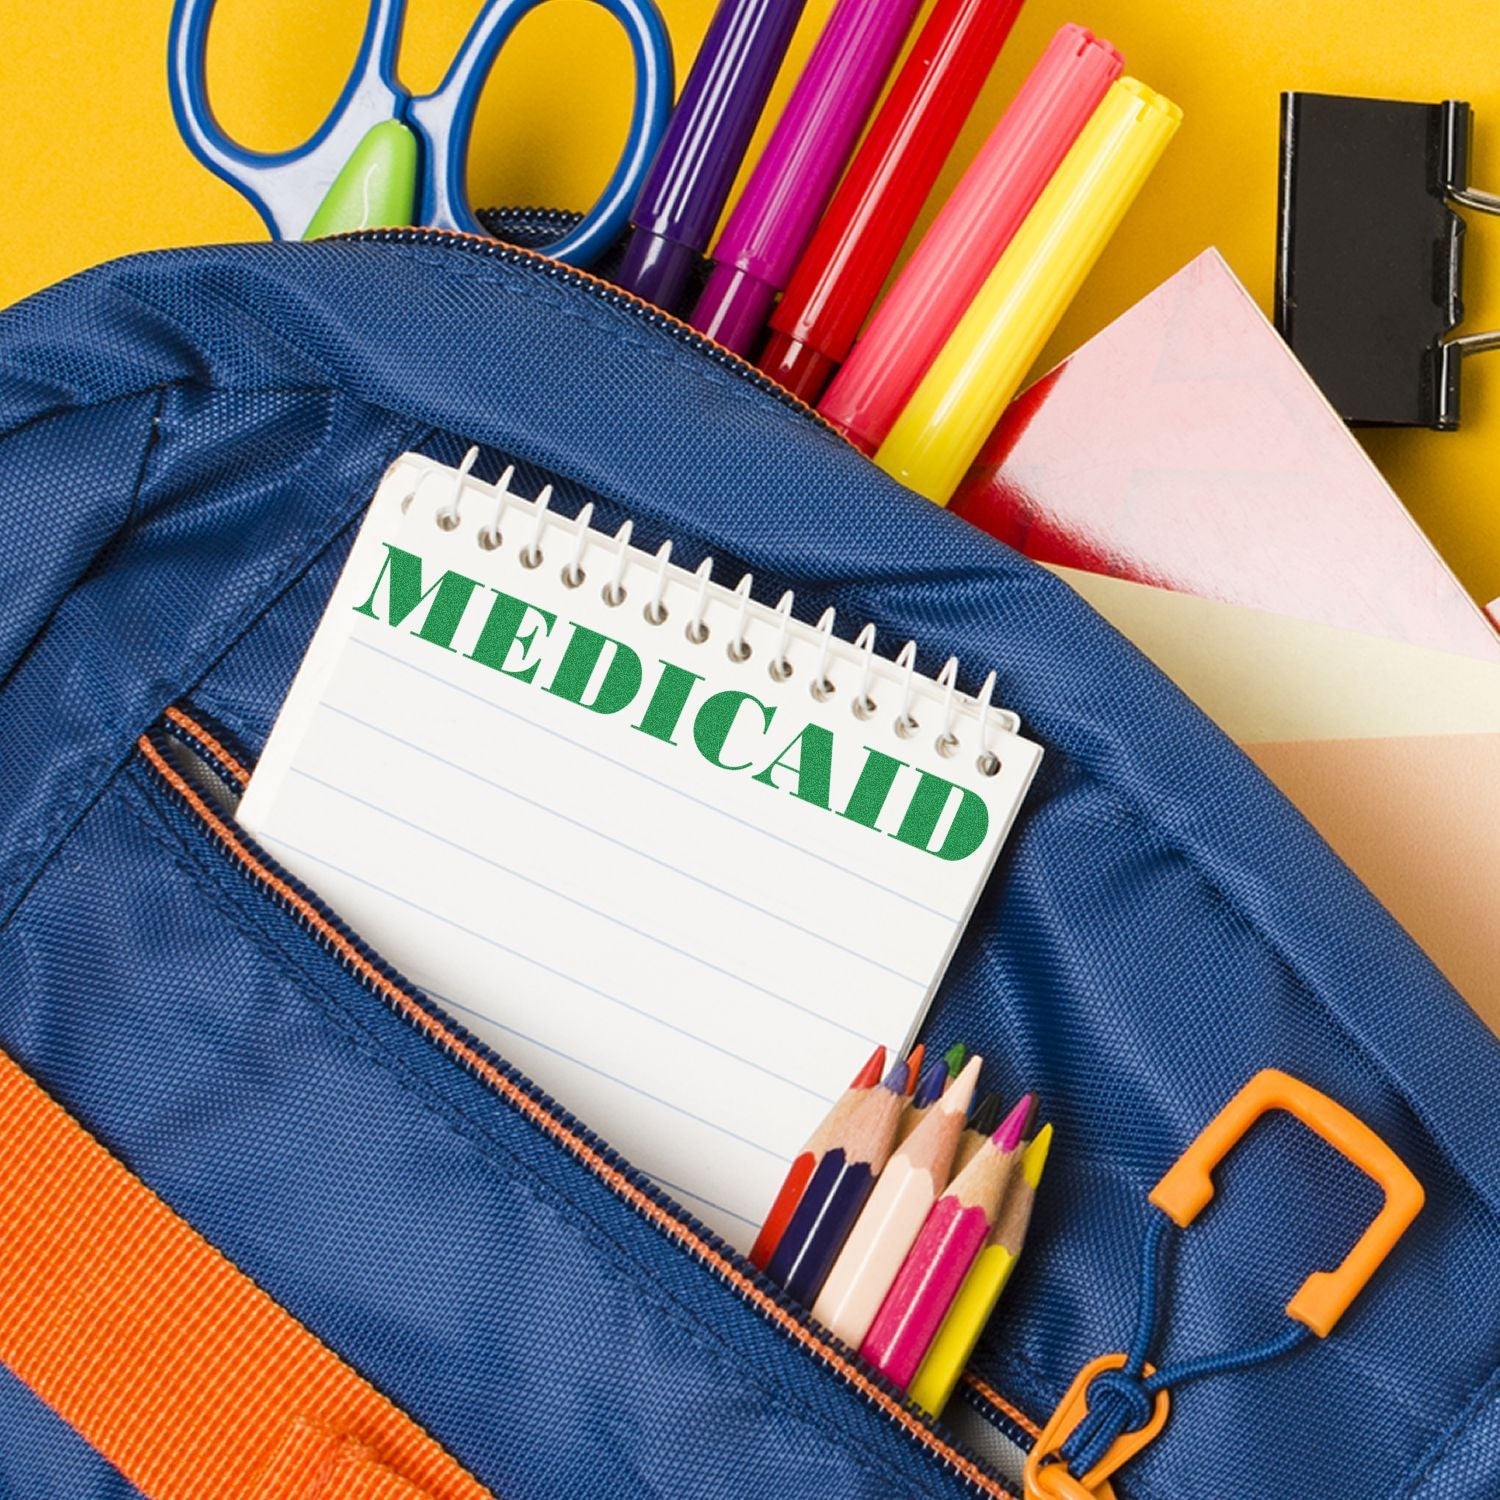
[799,1174]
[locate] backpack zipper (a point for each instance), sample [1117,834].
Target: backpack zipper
[626,1182]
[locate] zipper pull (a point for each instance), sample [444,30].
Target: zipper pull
[1046,1474]
[1129,1397]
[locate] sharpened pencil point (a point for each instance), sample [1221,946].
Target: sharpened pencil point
[1034,1158]
[895,1080]
[961,1091]
[1008,1136]
[931,1084]
[986,1114]
[954,1059]
[869,1075]
[914,1066]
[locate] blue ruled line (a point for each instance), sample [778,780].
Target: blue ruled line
[666,786]
[609,838]
[484,937]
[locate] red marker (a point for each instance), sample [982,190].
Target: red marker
[968,236]
[845,265]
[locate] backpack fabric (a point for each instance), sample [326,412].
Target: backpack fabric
[187,440]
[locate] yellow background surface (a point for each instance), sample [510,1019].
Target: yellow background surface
[95,168]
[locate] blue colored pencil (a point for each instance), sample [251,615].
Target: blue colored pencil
[838,1191]
[928,1091]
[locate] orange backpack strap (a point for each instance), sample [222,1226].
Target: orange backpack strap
[172,1363]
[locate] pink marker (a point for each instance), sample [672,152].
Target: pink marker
[955,1232]
[968,236]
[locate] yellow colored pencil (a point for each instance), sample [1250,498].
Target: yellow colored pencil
[982,1287]
[942,428]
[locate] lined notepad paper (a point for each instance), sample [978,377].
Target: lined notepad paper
[595,807]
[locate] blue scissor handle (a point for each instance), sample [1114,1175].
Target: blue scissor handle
[288,186]
[285,186]
[444,120]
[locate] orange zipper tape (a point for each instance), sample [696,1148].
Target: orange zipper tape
[668,1223]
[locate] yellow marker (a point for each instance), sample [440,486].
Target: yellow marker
[942,428]
[977,1297]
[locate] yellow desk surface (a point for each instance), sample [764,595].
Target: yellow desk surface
[95,167]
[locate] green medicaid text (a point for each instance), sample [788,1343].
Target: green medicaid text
[674,708]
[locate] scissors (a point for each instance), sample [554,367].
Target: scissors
[385,156]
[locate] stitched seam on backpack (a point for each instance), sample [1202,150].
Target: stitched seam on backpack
[634,1276]
[30,853]
[1486,1393]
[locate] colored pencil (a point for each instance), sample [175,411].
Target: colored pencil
[950,1240]
[914,1067]
[981,1127]
[928,1091]
[799,1174]
[955,1057]
[894,1216]
[983,1285]
[838,1189]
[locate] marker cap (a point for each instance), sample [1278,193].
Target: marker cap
[657,268]
[802,369]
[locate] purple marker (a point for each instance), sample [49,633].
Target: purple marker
[718,111]
[792,182]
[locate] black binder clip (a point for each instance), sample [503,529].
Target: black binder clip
[1369,253]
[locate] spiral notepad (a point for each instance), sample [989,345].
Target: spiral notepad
[680,856]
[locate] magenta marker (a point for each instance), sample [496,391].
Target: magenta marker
[792,182]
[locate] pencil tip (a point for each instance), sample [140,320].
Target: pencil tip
[1034,1158]
[1008,1136]
[869,1075]
[986,1114]
[954,1057]
[930,1086]
[961,1091]
[895,1080]
[914,1065]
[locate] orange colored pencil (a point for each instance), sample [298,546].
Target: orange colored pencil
[914,1067]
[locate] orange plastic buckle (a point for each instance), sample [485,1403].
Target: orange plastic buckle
[1182,1194]
[1322,1299]
[1047,1476]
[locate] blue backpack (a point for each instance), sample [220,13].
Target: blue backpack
[189,439]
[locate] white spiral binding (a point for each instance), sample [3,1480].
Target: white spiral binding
[708,597]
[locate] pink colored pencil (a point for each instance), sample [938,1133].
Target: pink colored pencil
[953,1235]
